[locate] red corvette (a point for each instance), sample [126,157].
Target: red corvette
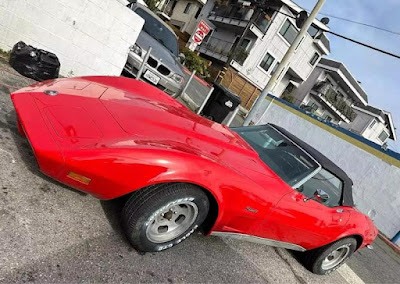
[113,136]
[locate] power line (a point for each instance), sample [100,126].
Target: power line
[359,23]
[364,44]
[350,39]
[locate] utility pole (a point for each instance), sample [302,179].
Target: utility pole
[277,76]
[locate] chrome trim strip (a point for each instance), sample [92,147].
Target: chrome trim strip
[259,240]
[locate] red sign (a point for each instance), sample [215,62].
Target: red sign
[198,36]
[204,27]
[201,31]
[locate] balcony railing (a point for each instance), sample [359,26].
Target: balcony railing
[335,101]
[233,14]
[216,48]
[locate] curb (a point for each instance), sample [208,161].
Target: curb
[395,247]
[201,81]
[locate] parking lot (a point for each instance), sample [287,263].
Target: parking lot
[52,234]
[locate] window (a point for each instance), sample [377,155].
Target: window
[197,13]
[263,21]
[327,117]
[267,62]
[372,124]
[188,8]
[313,106]
[327,182]
[275,67]
[314,59]
[287,160]
[207,37]
[383,136]
[312,31]
[288,31]
[245,43]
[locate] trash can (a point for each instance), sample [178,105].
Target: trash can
[221,102]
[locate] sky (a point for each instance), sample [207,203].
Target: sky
[378,73]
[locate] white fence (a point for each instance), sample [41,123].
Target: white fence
[375,173]
[89,37]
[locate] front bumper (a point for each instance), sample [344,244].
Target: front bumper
[165,84]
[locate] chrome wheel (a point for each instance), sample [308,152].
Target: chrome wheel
[336,257]
[171,221]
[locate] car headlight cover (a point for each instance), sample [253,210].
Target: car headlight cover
[177,78]
[136,49]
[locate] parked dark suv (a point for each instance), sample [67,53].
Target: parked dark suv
[163,68]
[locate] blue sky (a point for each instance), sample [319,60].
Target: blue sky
[378,73]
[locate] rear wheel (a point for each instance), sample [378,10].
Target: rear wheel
[161,216]
[329,258]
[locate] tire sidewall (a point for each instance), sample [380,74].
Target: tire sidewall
[317,266]
[195,196]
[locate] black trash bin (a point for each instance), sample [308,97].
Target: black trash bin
[221,102]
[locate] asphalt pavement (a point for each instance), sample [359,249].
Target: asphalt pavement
[50,233]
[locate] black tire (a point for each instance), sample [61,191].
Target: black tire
[313,260]
[144,206]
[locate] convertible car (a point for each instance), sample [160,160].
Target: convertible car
[113,137]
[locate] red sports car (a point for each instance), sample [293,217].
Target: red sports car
[113,137]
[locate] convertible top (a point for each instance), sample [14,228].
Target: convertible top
[347,199]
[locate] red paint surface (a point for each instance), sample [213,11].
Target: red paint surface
[124,135]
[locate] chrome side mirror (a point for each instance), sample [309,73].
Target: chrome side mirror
[319,195]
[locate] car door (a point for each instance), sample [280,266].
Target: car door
[303,218]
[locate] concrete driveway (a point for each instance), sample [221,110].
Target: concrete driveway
[52,234]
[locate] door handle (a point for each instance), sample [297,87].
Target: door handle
[339,210]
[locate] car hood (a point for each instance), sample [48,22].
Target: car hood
[159,51]
[118,113]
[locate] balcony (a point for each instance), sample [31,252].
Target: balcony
[335,102]
[216,48]
[231,14]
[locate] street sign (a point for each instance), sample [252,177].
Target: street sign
[202,30]
[198,36]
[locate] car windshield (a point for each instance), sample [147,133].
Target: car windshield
[158,31]
[284,157]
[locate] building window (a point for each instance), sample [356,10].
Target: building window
[314,59]
[372,124]
[383,136]
[207,37]
[263,21]
[275,67]
[312,31]
[288,31]
[197,13]
[267,62]
[327,117]
[245,43]
[187,8]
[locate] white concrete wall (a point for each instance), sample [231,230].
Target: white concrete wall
[272,42]
[89,37]
[376,182]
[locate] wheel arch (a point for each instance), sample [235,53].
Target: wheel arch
[214,209]
[358,238]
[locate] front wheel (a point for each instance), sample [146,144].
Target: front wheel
[161,216]
[324,260]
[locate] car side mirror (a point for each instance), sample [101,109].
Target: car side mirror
[319,195]
[181,58]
